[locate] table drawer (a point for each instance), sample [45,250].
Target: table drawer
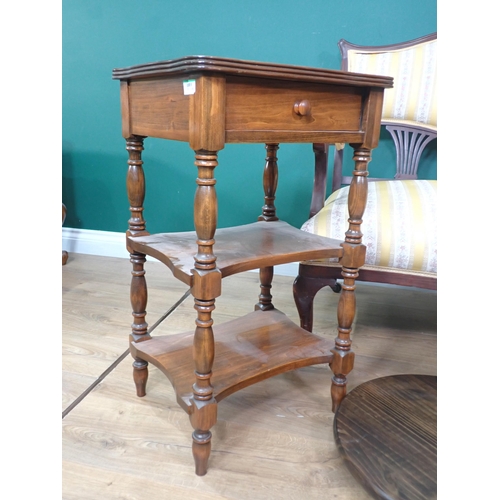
[253,108]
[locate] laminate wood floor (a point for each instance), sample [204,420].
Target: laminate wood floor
[273,440]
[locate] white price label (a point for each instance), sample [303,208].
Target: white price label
[189,87]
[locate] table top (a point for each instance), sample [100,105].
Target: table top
[219,65]
[386,429]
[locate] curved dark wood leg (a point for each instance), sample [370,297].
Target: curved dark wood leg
[304,291]
[307,284]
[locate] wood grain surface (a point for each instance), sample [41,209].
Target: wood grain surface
[386,430]
[239,249]
[249,349]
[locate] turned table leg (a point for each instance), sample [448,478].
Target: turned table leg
[352,260]
[270,184]
[343,357]
[206,287]
[136,190]
[265,298]
[138,300]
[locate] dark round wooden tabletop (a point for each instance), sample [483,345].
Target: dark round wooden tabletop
[386,429]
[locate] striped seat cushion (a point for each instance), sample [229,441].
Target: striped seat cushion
[399,224]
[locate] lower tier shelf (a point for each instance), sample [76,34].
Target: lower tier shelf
[249,349]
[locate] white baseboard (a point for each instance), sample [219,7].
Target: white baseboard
[88,241]
[111,244]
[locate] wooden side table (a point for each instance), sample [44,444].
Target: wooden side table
[386,429]
[207,102]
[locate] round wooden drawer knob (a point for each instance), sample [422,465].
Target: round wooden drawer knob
[302,108]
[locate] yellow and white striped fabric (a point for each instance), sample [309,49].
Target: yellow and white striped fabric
[399,224]
[414,96]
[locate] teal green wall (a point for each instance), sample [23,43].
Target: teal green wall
[101,35]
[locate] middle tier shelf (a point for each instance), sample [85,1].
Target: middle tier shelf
[249,349]
[239,248]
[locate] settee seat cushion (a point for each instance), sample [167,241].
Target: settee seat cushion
[399,224]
